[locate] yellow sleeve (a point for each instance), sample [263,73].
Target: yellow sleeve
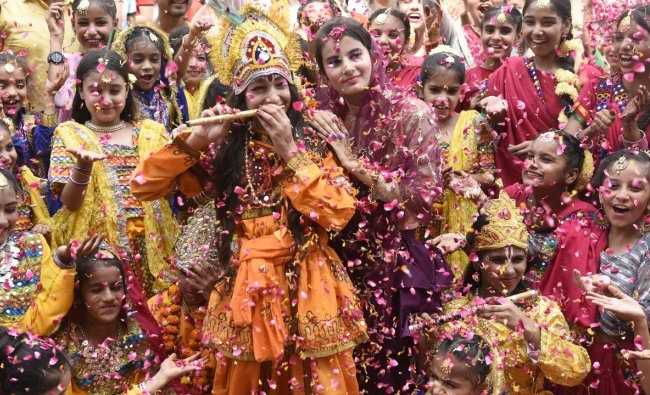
[32,185]
[323,193]
[562,361]
[134,390]
[53,300]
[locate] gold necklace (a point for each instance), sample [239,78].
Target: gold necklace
[104,129]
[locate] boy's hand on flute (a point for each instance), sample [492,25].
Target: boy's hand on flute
[204,135]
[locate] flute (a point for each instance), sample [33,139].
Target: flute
[222,118]
[426,319]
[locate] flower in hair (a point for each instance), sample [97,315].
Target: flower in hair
[337,32]
[447,61]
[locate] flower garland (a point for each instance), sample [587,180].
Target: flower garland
[567,84]
[171,322]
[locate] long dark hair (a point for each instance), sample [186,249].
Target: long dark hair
[351,28]
[87,65]
[563,9]
[640,15]
[230,162]
[21,372]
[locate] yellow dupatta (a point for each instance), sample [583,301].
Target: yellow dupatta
[32,185]
[195,101]
[458,212]
[99,210]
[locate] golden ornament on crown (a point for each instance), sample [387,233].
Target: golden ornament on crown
[505,226]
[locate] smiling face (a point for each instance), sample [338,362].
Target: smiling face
[476,8]
[501,270]
[93,27]
[197,67]
[632,44]
[174,8]
[459,380]
[415,11]
[273,89]
[545,167]
[388,31]
[442,92]
[13,88]
[102,293]
[104,96]
[347,67]
[145,61]
[543,29]
[498,37]
[625,193]
[8,154]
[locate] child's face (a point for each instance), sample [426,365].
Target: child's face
[94,27]
[545,167]
[452,377]
[442,92]
[414,10]
[315,14]
[8,155]
[543,29]
[498,37]
[145,61]
[273,89]
[196,68]
[633,44]
[105,96]
[13,88]
[103,294]
[625,194]
[388,32]
[348,67]
[502,269]
[8,210]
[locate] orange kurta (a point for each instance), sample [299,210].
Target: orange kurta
[251,321]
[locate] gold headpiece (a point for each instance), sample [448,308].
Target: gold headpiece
[261,45]
[505,226]
[154,34]
[620,165]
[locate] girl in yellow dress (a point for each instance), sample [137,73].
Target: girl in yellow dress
[530,338]
[466,140]
[92,161]
[285,318]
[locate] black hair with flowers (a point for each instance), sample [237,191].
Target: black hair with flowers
[512,16]
[90,63]
[442,60]
[394,12]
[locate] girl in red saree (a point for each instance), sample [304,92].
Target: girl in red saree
[391,30]
[612,109]
[538,89]
[565,235]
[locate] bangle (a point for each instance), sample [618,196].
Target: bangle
[61,264]
[83,184]
[83,171]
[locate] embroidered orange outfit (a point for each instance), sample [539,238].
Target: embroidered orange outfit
[291,310]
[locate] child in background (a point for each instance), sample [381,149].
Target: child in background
[500,29]
[30,138]
[191,50]
[466,142]
[92,21]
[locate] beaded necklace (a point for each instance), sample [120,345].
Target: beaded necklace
[604,91]
[532,72]
[265,201]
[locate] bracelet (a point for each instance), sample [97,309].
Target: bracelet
[62,265]
[83,171]
[83,184]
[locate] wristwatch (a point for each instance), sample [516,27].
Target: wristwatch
[55,58]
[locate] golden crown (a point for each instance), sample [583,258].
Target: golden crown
[505,226]
[261,44]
